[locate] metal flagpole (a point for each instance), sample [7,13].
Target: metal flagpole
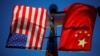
[52,40]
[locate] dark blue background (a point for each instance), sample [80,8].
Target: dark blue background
[6,15]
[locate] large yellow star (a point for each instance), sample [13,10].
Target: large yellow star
[82,42]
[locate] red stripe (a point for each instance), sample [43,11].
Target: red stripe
[29,20]
[39,31]
[44,30]
[12,17]
[16,19]
[33,28]
[22,19]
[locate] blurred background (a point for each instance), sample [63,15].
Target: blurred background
[6,7]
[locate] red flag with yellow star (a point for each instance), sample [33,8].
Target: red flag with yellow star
[77,28]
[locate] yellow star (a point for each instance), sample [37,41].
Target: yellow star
[80,32]
[76,35]
[85,32]
[88,35]
[82,42]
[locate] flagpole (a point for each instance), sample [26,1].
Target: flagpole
[52,40]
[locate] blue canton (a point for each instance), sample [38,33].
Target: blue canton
[17,40]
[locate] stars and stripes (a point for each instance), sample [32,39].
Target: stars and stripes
[29,21]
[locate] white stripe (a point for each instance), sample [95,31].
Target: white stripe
[30,27]
[36,28]
[44,19]
[42,29]
[40,38]
[26,19]
[19,19]
[14,17]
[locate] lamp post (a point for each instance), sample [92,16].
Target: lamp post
[52,40]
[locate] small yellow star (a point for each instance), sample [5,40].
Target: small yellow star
[80,32]
[85,32]
[88,35]
[76,35]
[82,42]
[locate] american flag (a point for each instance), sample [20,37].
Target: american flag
[27,27]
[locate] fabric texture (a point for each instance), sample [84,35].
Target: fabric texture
[77,29]
[28,26]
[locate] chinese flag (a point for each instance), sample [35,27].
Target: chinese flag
[77,28]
